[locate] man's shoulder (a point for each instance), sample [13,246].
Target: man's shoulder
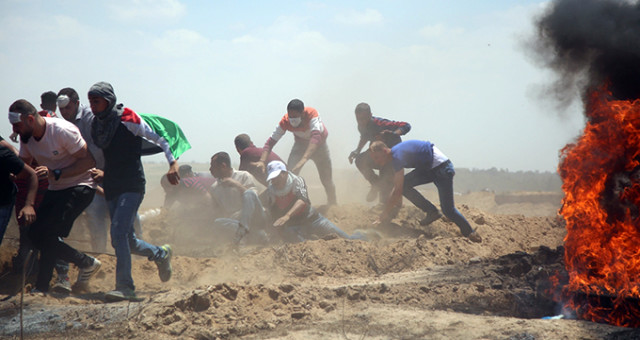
[241,174]
[251,151]
[130,116]
[60,124]
[310,112]
[85,112]
[6,153]
[411,148]
[379,120]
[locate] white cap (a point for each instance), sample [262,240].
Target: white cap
[274,168]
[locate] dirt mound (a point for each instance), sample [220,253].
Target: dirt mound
[414,282]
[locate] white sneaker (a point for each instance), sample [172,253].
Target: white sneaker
[86,273]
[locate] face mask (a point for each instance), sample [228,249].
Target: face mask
[285,190]
[295,121]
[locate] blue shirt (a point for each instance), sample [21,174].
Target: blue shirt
[412,154]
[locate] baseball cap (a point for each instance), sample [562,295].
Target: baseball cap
[274,168]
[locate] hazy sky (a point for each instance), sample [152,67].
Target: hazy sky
[455,70]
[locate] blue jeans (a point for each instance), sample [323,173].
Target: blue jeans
[97,213]
[251,216]
[123,210]
[319,226]
[442,177]
[5,217]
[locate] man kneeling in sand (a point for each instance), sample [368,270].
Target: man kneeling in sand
[235,200]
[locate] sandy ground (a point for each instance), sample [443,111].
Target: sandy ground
[413,283]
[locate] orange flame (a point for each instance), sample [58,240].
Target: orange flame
[602,246]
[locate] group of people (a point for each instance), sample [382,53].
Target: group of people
[240,209]
[90,156]
[90,160]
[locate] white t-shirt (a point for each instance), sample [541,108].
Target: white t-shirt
[229,198]
[438,157]
[61,139]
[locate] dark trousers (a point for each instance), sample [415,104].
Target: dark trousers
[442,177]
[322,158]
[383,180]
[55,217]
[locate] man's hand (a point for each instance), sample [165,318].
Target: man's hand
[256,165]
[228,181]
[28,213]
[99,190]
[281,221]
[260,165]
[296,169]
[353,156]
[14,137]
[172,174]
[97,175]
[42,172]
[382,219]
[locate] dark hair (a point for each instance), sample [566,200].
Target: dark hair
[22,106]
[242,141]
[295,105]
[184,170]
[48,99]
[377,146]
[71,93]
[221,157]
[363,108]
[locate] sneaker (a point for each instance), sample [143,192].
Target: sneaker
[122,295]
[86,273]
[240,234]
[475,237]
[62,285]
[373,193]
[164,264]
[430,218]
[37,292]
[366,235]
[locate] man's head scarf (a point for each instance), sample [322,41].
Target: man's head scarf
[107,122]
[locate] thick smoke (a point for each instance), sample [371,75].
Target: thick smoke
[589,42]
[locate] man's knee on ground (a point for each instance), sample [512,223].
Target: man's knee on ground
[250,194]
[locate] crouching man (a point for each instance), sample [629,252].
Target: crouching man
[236,201]
[291,210]
[429,165]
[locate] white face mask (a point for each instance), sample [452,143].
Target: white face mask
[295,121]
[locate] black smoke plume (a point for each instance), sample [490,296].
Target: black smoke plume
[588,43]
